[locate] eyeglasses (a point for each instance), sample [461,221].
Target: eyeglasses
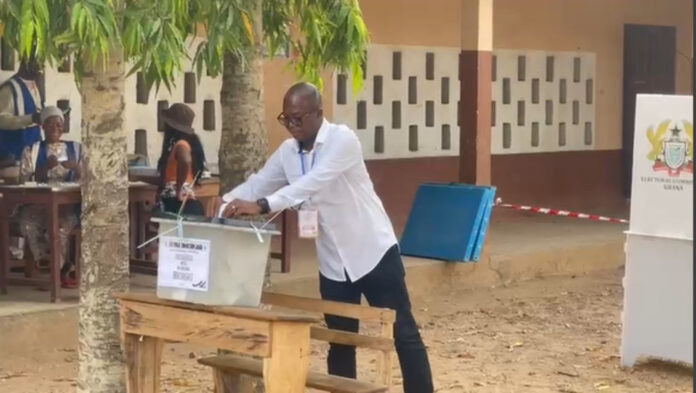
[293,121]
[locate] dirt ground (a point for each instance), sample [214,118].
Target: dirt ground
[558,334]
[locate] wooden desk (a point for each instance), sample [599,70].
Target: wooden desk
[52,196]
[207,191]
[281,339]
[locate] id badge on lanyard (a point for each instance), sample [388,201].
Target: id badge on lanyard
[307,219]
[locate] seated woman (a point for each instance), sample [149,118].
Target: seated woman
[181,163]
[51,160]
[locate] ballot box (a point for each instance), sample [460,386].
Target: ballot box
[212,261]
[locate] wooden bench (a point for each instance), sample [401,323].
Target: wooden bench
[228,365]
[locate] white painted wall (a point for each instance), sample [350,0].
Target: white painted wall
[521,135]
[144,116]
[446,65]
[413,64]
[141,116]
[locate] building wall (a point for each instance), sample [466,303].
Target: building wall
[542,101]
[408,106]
[595,26]
[414,22]
[278,77]
[585,171]
[416,27]
[390,22]
[143,115]
[590,179]
[593,29]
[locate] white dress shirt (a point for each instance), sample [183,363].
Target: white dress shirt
[354,229]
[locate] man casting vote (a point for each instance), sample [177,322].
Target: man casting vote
[321,171]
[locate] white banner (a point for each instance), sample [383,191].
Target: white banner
[183,263]
[663,165]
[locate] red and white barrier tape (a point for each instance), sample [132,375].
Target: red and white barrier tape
[564,213]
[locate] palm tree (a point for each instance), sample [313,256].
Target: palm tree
[150,36]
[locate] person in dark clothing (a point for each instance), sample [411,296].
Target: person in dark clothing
[181,163]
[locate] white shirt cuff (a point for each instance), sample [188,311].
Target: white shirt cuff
[222,209]
[275,203]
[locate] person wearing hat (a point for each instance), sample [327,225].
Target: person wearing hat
[181,163]
[51,160]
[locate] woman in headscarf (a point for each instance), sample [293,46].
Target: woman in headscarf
[49,161]
[181,163]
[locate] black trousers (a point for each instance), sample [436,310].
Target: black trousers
[385,287]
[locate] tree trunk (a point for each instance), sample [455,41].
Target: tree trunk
[244,141]
[243,146]
[104,227]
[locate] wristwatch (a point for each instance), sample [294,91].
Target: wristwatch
[263,203]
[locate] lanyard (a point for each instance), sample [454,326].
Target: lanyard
[314,157]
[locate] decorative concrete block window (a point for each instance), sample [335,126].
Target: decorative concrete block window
[429,66]
[377,90]
[554,97]
[379,139]
[341,89]
[409,104]
[430,113]
[396,115]
[141,142]
[507,135]
[396,66]
[446,137]
[7,62]
[190,87]
[413,137]
[209,115]
[141,92]
[412,90]
[445,90]
[362,115]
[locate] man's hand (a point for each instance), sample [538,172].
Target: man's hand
[238,208]
[52,162]
[70,164]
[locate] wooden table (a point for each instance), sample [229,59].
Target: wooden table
[53,197]
[281,339]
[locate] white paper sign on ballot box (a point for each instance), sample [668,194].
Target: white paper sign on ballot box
[184,263]
[658,285]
